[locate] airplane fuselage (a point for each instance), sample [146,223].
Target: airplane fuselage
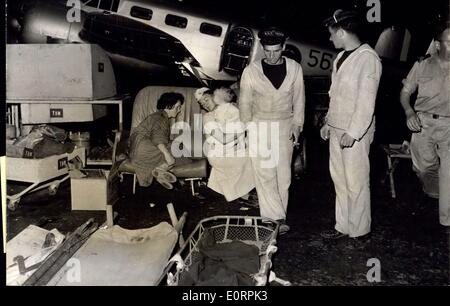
[151,33]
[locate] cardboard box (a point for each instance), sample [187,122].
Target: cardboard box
[58,71]
[93,189]
[40,170]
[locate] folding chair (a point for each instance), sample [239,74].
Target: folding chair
[394,153]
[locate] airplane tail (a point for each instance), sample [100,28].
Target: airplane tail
[393,43]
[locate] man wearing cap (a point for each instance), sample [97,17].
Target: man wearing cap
[430,122]
[272,100]
[350,125]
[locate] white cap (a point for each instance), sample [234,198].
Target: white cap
[199,93]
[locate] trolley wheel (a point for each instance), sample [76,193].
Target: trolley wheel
[53,189]
[13,203]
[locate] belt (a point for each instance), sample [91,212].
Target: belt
[435,116]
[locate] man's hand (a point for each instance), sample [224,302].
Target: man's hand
[347,141]
[413,121]
[295,132]
[325,132]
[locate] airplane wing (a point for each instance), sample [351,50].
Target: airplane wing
[127,37]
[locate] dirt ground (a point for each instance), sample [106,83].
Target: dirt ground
[411,247]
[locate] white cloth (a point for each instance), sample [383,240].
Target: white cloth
[231,174]
[28,244]
[261,103]
[350,171]
[226,113]
[119,257]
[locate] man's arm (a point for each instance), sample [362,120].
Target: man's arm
[245,97]
[412,121]
[409,87]
[299,104]
[369,76]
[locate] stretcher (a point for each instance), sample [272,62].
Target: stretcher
[48,172]
[248,229]
[115,256]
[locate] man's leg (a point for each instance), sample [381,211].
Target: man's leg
[357,173]
[267,190]
[425,160]
[264,162]
[284,163]
[339,179]
[444,178]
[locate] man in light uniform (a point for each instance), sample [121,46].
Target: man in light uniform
[430,122]
[350,125]
[272,98]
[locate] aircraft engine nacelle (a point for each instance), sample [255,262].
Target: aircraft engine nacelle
[46,22]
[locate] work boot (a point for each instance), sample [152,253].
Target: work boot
[425,203]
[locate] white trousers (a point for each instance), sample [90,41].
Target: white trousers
[350,171]
[271,150]
[430,152]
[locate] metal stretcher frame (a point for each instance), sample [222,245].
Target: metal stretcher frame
[249,229]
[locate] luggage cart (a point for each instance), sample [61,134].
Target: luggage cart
[48,172]
[248,229]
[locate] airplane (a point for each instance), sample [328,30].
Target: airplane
[151,35]
[148,33]
[157,37]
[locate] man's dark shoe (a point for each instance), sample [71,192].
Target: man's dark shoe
[250,203]
[332,234]
[283,227]
[362,239]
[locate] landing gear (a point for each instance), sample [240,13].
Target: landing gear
[53,189]
[13,203]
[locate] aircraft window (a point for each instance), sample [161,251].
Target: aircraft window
[176,21]
[141,13]
[210,29]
